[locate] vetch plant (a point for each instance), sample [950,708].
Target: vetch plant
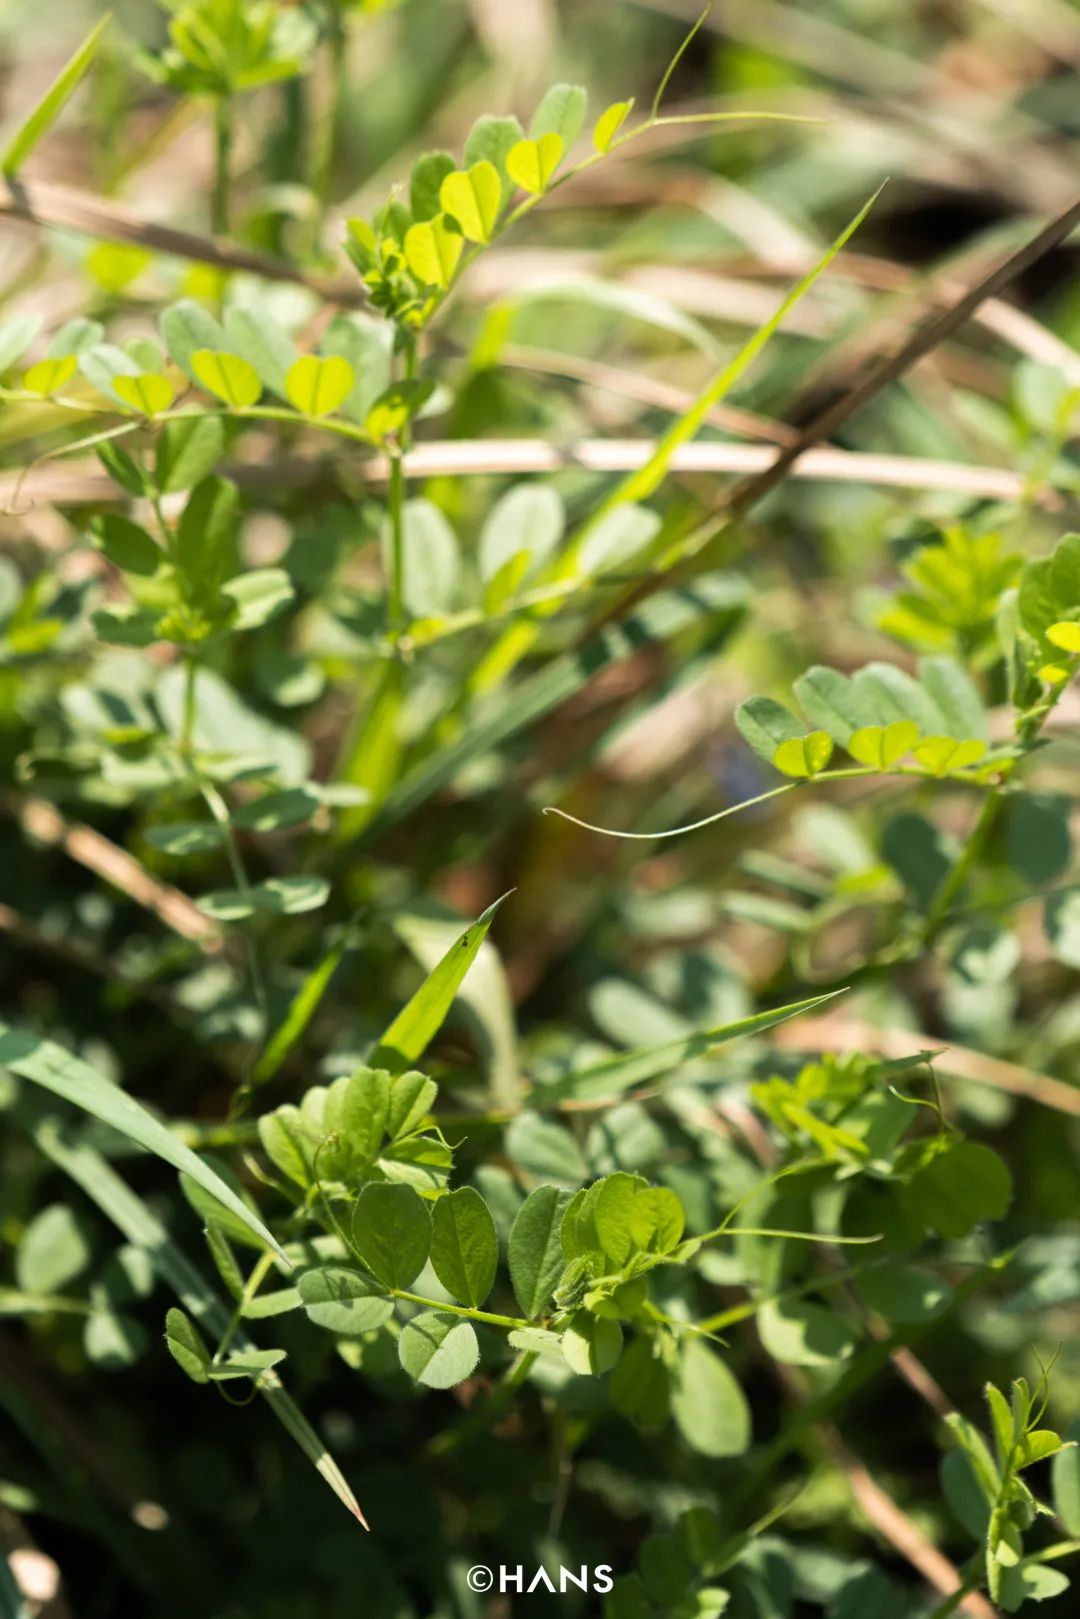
[667,1215]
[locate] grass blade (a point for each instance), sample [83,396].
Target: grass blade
[302,1009]
[417,1024]
[112,1195]
[67,1076]
[644,481]
[618,1074]
[53,101]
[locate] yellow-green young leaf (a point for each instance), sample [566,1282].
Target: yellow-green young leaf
[148,393]
[228,377]
[804,755]
[473,197]
[610,122]
[48,375]
[881,746]
[1066,635]
[1053,673]
[319,384]
[531,164]
[432,251]
[942,754]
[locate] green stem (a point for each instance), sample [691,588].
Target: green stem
[187,731]
[220,811]
[251,1287]
[510,1321]
[219,202]
[396,503]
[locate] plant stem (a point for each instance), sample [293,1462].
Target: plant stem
[251,1287]
[219,202]
[396,503]
[459,1309]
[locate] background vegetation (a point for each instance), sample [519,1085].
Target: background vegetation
[294,652]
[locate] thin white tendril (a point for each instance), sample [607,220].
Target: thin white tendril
[675,831]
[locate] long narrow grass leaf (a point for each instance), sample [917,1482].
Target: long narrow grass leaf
[305,1003]
[417,1024]
[645,480]
[53,101]
[67,1076]
[618,1074]
[127,1211]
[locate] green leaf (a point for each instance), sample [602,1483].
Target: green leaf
[531,164]
[391,1232]
[317,385]
[464,1246]
[417,1024]
[903,1293]
[942,754]
[833,703]
[126,545]
[433,251]
[53,1250]
[1065,1481]
[206,537]
[260,595]
[545,1149]
[1030,1582]
[47,376]
[473,197]
[428,173]
[16,336]
[57,1070]
[764,725]
[610,122]
[800,1333]
[535,1252]
[289,806]
[561,112]
[657,1220]
[431,561]
[613,1210]
[256,336]
[804,756]
[188,450]
[53,101]
[489,140]
[227,377]
[363,1115]
[186,1346]
[959,1189]
[412,1096]
[343,1301]
[882,746]
[438,1351]
[113,1340]
[187,327]
[148,393]
[368,346]
[591,1345]
[641,1386]
[707,1403]
[954,692]
[530,519]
